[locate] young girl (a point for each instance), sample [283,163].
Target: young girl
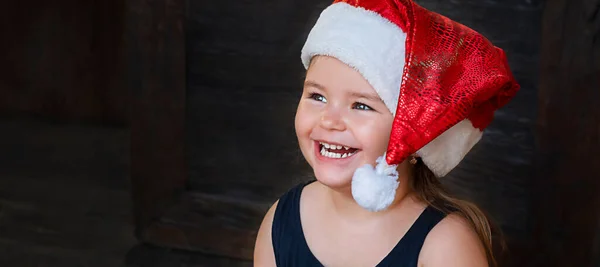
[392,85]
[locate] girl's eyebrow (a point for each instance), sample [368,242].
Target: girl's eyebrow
[314,84]
[370,97]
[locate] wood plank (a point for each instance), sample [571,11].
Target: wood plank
[152,256]
[64,194]
[212,224]
[566,200]
[156,79]
[62,60]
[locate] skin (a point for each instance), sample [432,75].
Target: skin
[338,106]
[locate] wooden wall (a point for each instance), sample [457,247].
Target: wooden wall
[244,83]
[215,87]
[566,199]
[62,60]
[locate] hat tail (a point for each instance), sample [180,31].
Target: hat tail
[374,188]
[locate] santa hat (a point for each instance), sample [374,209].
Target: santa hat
[441,80]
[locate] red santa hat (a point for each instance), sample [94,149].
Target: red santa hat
[441,80]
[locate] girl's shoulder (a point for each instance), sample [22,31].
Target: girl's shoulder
[453,237]
[263,247]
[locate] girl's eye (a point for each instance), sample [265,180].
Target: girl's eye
[362,106]
[317,97]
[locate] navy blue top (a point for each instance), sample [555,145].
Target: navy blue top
[291,249]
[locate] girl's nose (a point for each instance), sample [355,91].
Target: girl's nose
[332,120]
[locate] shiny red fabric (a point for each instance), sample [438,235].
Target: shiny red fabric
[451,73]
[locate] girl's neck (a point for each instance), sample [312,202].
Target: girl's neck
[346,208]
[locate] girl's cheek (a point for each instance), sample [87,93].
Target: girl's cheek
[371,130]
[306,115]
[313,108]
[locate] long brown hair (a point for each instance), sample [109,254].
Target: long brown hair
[430,190]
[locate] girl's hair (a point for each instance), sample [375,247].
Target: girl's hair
[429,189]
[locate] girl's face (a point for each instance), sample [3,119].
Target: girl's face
[341,122]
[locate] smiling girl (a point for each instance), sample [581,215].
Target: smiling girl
[392,85]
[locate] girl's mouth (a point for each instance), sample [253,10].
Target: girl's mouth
[336,151]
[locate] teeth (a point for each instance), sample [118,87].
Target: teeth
[325,147]
[328,146]
[328,154]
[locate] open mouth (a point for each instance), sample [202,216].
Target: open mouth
[336,151]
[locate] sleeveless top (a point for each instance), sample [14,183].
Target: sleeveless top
[291,250]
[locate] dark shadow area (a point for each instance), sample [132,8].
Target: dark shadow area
[64,194]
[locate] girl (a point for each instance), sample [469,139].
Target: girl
[392,85]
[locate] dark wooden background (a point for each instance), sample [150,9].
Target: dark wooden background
[63,60]
[204,95]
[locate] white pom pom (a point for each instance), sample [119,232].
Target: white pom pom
[375,188]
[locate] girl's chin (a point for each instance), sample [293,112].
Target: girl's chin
[334,180]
